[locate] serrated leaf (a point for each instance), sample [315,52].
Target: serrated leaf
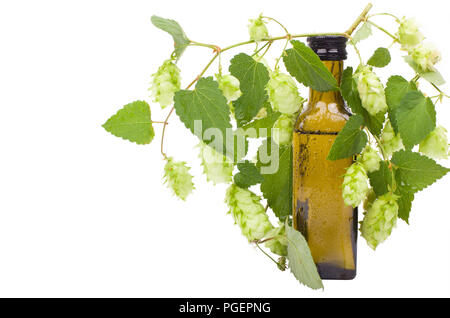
[380,58]
[257,124]
[207,105]
[174,29]
[248,175]
[303,64]
[277,187]
[396,89]
[362,33]
[381,180]
[350,140]
[350,93]
[433,77]
[133,122]
[253,77]
[415,118]
[415,172]
[404,202]
[300,259]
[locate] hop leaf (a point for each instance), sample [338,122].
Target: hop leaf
[177,178]
[408,33]
[370,159]
[166,81]
[390,141]
[380,219]
[425,56]
[435,144]
[217,167]
[248,212]
[370,90]
[278,243]
[283,93]
[282,130]
[229,85]
[257,29]
[355,188]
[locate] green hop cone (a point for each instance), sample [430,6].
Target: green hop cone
[390,141]
[355,188]
[248,212]
[435,145]
[166,81]
[177,178]
[380,219]
[257,29]
[217,167]
[408,33]
[278,243]
[370,90]
[229,85]
[283,93]
[370,159]
[425,56]
[282,129]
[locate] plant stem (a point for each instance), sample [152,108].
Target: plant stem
[384,30]
[259,247]
[360,18]
[439,90]
[384,13]
[276,21]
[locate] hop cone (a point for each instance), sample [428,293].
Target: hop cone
[380,219]
[229,86]
[282,132]
[435,145]
[425,56]
[408,33]
[370,159]
[166,81]
[278,244]
[177,178]
[247,212]
[391,141]
[354,188]
[283,93]
[257,29]
[217,167]
[370,90]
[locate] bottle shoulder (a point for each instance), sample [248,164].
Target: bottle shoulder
[323,117]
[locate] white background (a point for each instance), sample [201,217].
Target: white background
[83,213]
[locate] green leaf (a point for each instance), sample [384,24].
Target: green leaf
[415,118]
[133,122]
[415,172]
[396,89]
[381,180]
[300,259]
[303,64]
[207,105]
[433,77]
[248,175]
[363,33]
[404,202]
[380,58]
[277,187]
[351,140]
[257,124]
[174,29]
[350,93]
[253,77]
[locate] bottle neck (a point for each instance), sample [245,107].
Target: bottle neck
[336,69]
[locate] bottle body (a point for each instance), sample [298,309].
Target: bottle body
[319,211]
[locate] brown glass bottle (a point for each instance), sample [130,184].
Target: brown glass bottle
[329,226]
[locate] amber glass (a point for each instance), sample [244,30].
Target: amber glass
[329,226]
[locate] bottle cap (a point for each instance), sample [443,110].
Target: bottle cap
[329,47]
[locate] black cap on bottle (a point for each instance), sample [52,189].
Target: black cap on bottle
[329,47]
